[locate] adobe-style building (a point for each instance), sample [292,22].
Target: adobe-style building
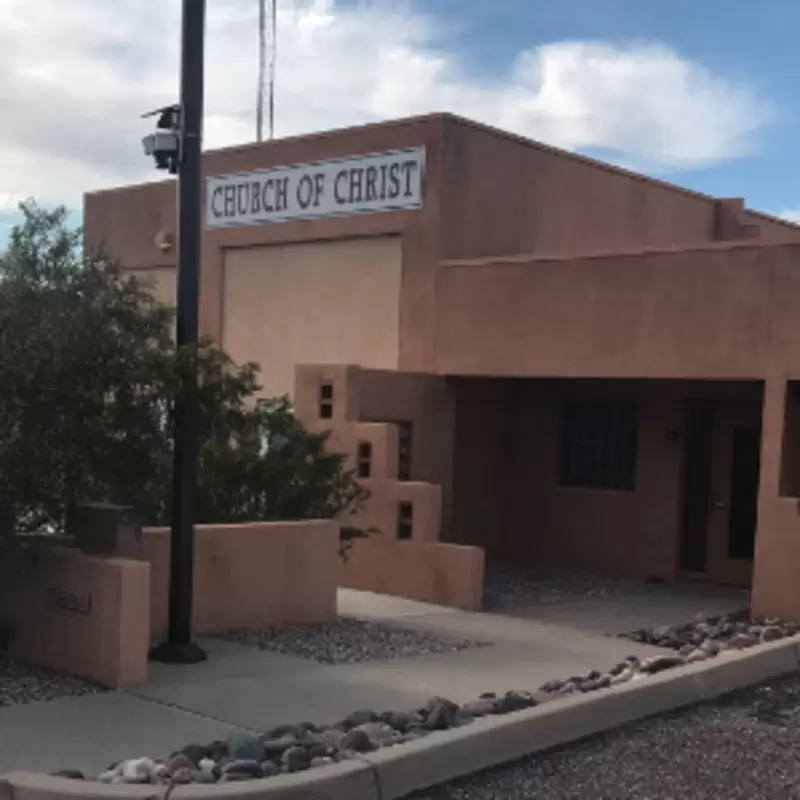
[521,349]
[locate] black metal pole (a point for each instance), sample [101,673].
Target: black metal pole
[179,647]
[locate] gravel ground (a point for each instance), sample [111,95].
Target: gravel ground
[23,683]
[349,641]
[506,587]
[746,746]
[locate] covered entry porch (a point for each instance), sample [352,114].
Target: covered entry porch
[653,479]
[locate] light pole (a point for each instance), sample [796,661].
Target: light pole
[179,647]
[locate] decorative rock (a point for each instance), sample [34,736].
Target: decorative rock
[277,747]
[461,718]
[180,762]
[399,721]
[711,646]
[358,741]
[195,753]
[217,750]
[480,708]
[660,663]
[296,759]
[552,686]
[441,715]
[771,633]
[321,762]
[71,774]
[207,764]
[380,733]
[697,655]
[741,641]
[593,684]
[269,768]
[488,696]
[515,701]
[359,718]
[686,649]
[136,770]
[247,767]
[245,747]
[181,776]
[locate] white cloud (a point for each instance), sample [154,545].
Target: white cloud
[791,215]
[74,78]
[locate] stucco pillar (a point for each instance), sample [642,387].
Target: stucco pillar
[776,568]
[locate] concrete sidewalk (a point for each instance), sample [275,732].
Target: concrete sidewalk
[240,687]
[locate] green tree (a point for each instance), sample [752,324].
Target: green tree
[88,377]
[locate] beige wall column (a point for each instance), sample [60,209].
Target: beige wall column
[776,568]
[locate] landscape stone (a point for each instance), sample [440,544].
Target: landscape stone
[296,759]
[247,767]
[195,753]
[269,768]
[277,747]
[660,663]
[245,747]
[180,762]
[358,741]
[771,633]
[741,641]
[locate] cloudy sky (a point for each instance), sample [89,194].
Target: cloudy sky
[700,92]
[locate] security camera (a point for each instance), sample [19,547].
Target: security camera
[164,147]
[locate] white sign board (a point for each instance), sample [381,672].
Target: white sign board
[358,185]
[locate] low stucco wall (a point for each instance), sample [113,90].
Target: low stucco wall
[85,615]
[445,574]
[251,575]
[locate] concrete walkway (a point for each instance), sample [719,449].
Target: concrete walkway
[240,687]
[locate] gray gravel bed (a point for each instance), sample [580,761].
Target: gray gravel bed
[747,745]
[349,641]
[508,587]
[24,683]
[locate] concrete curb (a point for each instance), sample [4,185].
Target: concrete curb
[443,756]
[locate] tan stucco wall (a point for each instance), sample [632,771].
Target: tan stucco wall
[163,281]
[252,575]
[105,637]
[320,302]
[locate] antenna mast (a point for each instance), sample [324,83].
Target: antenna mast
[266,67]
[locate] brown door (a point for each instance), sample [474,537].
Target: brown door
[732,517]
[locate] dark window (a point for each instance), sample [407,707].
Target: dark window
[326,400]
[405,520]
[405,432]
[364,459]
[598,444]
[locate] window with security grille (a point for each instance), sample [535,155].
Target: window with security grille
[326,400]
[598,444]
[365,460]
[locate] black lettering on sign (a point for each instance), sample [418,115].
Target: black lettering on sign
[384,170]
[217,195]
[319,186]
[281,193]
[338,191]
[394,182]
[69,601]
[356,184]
[409,167]
[372,179]
[243,190]
[255,196]
[305,192]
[230,201]
[269,184]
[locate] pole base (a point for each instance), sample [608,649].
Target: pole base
[168,653]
